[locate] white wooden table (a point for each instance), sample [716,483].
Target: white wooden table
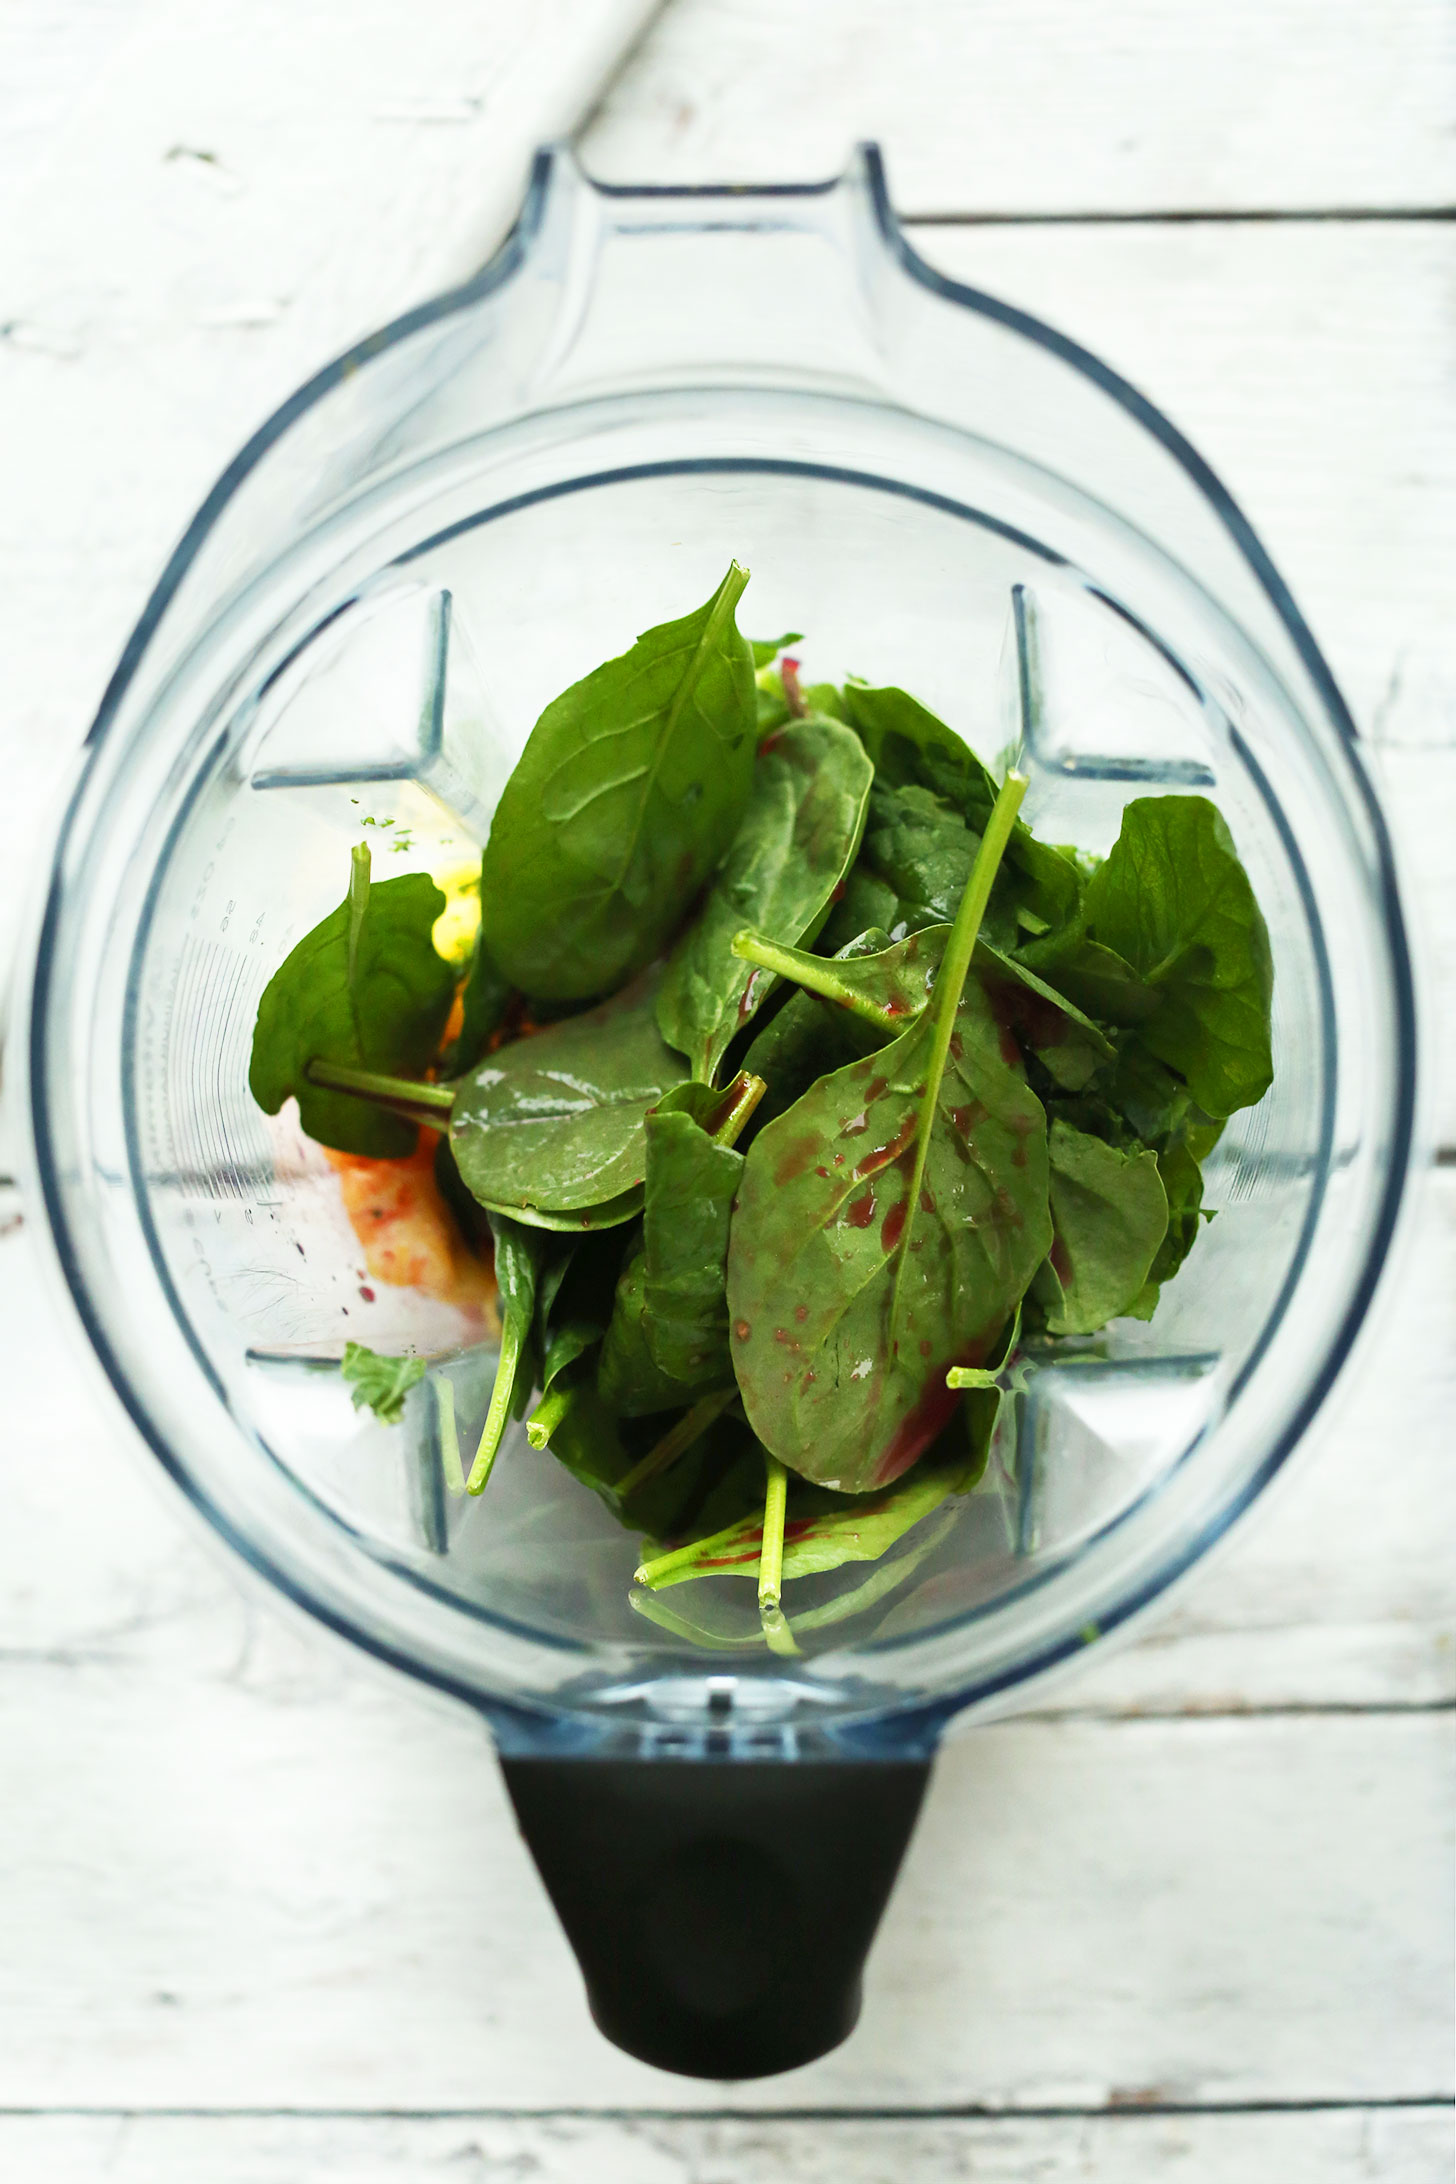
[263,1916]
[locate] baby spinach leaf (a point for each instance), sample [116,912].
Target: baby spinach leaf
[552,1125]
[1183,1184]
[484,1001]
[911,747]
[1096,978]
[805,1039]
[1174,901]
[1109,1217]
[522,1257]
[628,792]
[364,990]
[865,902]
[921,849]
[858,1528]
[815,1249]
[380,1383]
[766,650]
[667,1342]
[1039,885]
[799,836]
[886,1227]
[885,989]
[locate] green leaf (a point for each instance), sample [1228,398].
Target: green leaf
[911,747]
[522,1256]
[885,989]
[629,790]
[1109,1217]
[1183,1184]
[866,903]
[1096,978]
[798,838]
[380,1383]
[805,1039]
[552,1126]
[766,650]
[385,1014]
[887,1227]
[922,850]
[1175,902]
[815,1250]
[484,1002]
[1038,886]
[858,1529]
[667,1342]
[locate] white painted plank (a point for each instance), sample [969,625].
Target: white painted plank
[195,214]
[259,1891]
[1050,105]
[1312,367]
[1399,2146]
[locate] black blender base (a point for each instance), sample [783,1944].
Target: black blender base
[720,1910]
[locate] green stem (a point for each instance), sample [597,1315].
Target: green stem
[813,975]
[358,899]
[372,1084]
[771,1554]
[651,1573]
[749,1091]
[949,985]
[676,1441]
[512,1337]
[449,1438]
[547,1416]
[973,1376]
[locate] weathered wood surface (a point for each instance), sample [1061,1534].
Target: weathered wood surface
[1352,2146]
[1050,106]
[241,1872]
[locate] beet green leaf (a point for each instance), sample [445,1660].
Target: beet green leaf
[364,990]
[629,790]
[798,838]
[551,1128]
[1175,903]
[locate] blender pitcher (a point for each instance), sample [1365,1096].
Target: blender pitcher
[424,545]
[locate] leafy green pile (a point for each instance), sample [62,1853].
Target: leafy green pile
[799,1084]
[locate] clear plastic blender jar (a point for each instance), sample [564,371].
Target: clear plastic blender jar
[427,542]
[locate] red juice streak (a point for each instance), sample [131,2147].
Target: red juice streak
[861,1211]
[892,1228]
[801,1313]
[1061,1260]
[884,1155]
[793,695]
[918,1428]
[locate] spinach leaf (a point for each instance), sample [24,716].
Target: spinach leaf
[805,1040]
[667,1342]
[1109,1217]
[923,851]
[629,790]
[799,836]
[1096,978]
[1039,886]
[865,901]
[522,1257]
[380,1383]
[860,1528]
[484,1001]
[551,1126]
[885,989]
[1174,901]
[886,1228]
[911,747]
[1183,1184]
[364,990]
[766,650]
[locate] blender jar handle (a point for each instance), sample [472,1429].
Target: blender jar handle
[720,1910]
